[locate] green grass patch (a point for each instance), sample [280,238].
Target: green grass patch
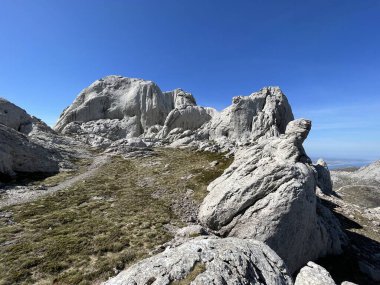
[99,226]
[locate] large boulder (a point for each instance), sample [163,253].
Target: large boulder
[20,155]
[209,261]
[186,115]
[314,274]
[324,177]
[268,193]
[260,115]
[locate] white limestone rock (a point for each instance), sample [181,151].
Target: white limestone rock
[101,133]
[314,274]
[18,119]
[191,231]
[181,98]
[187,118]
[210,261]
[117,97]
[117,107]
[260,115]
[60,149]
[324,178]
[268,193]
[369,172]
[18,154]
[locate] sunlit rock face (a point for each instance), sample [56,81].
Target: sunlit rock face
[28,145]
[20,155]
[132,106]
[260,115]
[116,97]
[18,119]
[268,193]
[209,261]
[137,107]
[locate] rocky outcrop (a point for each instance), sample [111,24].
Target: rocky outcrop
[117,97]
[103,132]
[26,139]
[313,274]
[18,119]
[268,193]
[117,107]
[186,118]
[366,175]
[209,261]
[260,115]
[324,179]
[369,172]
[20,155]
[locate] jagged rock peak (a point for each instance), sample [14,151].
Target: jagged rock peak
[260,115]
[181,98]
[18,119]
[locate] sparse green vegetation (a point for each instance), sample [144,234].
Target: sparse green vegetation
[98,226]
[198,269]
[362,195]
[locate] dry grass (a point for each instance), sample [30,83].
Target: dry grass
[87,233]
[198,269]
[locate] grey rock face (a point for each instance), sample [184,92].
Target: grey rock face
[209,261]
[19,154]
[33,133]
[117,107]
[103,132]
[260,115]
[187,118]
[268,193]
[324,178]
[314,274]
[18,119]
[369,172]
[116,97]
[181,98]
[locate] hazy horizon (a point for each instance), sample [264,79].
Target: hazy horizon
[324,55]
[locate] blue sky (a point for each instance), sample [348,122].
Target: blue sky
[325,55]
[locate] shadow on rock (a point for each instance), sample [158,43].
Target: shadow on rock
[360,262]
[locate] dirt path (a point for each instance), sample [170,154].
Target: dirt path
[23,194]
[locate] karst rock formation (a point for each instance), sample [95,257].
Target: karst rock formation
[262,214]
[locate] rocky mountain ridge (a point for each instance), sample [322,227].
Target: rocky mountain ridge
[253,211]
[116,107]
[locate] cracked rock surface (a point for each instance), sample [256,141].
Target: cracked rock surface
[268,193]
[209,261]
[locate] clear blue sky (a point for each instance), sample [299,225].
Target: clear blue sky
[324,54]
